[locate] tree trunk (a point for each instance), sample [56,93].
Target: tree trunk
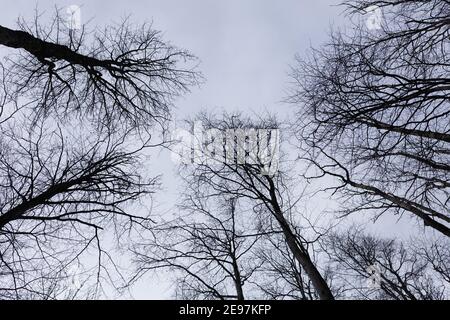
[43,50]
[298,250]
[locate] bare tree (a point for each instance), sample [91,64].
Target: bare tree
[238,158]
[77,115]
[375,268]
[280,275]
[374,112]
[58,191]
[208,247]
[121,74]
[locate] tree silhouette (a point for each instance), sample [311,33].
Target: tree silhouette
[374,112]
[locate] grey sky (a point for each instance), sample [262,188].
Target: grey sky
[245,48]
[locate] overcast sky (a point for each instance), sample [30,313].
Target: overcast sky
[245,48]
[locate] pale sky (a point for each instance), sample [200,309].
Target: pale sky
[245,48]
